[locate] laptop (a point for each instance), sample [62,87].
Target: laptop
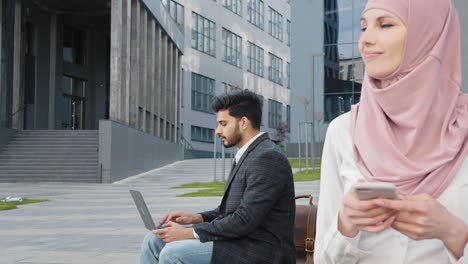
[143,210]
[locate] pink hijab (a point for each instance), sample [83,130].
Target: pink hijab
[411,127]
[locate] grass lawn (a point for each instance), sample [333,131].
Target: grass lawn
[307,176]
[295,163]
[13,205]
[212,189]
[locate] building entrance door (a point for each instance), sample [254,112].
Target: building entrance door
[73,101]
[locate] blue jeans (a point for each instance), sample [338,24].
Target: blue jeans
[192,251]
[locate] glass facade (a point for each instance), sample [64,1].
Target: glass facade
[343,66]
[234,5]
[73,98]
[275,111]
[74,46]
[255,13]
[203,34]
[202,93]
[202,134]
[275,24]
[177,12]
[275,71]
[255,57]
[232,45]
[228,87]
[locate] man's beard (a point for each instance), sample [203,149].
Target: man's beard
[236,138]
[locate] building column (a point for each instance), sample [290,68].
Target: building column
[170,89]
[163,93]
[52,70]
[151,73]
[2,72]
[176,94]
[116,77]
[157,81]
[18,65]
[143,69]
[125,60]
[135,63]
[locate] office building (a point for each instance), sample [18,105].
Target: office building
[229,45]
[109,69]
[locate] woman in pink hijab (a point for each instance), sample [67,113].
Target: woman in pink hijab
[409,129]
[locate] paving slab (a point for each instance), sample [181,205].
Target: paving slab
[99,223]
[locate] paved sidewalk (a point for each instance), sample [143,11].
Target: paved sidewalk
[98,223]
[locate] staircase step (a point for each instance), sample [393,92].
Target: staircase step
[51,151]
[77,148]
[51,155]
[51,143]
[45,178]
[52,170]
[47,166]
[55,135]
[53,139]
[48,132]
[41,160]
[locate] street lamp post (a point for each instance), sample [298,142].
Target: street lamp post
[314,145]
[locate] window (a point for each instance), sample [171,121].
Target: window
[232,45]
[276,24]
[231,87]
[177,12]
[202,134]
[255,56]
[350,72]
[203,34]
[288,29]
[274,113]
[74,46]
[275,71]
[255,13]
[202,93]
[72,109]
[288,117]
[288,72]
[234,5]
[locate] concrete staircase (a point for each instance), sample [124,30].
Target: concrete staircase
[51,156]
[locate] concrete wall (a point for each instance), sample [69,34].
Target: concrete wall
[125,151]
[145,68]
[6,135]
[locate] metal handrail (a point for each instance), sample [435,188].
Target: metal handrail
[4,122]
[186,143]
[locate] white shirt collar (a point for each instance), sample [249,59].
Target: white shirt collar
[242,150]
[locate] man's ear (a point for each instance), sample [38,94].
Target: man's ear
[245,122]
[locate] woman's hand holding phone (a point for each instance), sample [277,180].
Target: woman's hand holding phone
[363,215]
[423,217]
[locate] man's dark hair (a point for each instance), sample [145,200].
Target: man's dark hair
[239,104]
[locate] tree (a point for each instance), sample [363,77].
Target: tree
[281,134]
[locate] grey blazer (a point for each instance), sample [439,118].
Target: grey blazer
[255,221]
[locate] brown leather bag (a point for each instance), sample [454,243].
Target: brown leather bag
[304,231]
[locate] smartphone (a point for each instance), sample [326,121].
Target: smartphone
[372,190]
